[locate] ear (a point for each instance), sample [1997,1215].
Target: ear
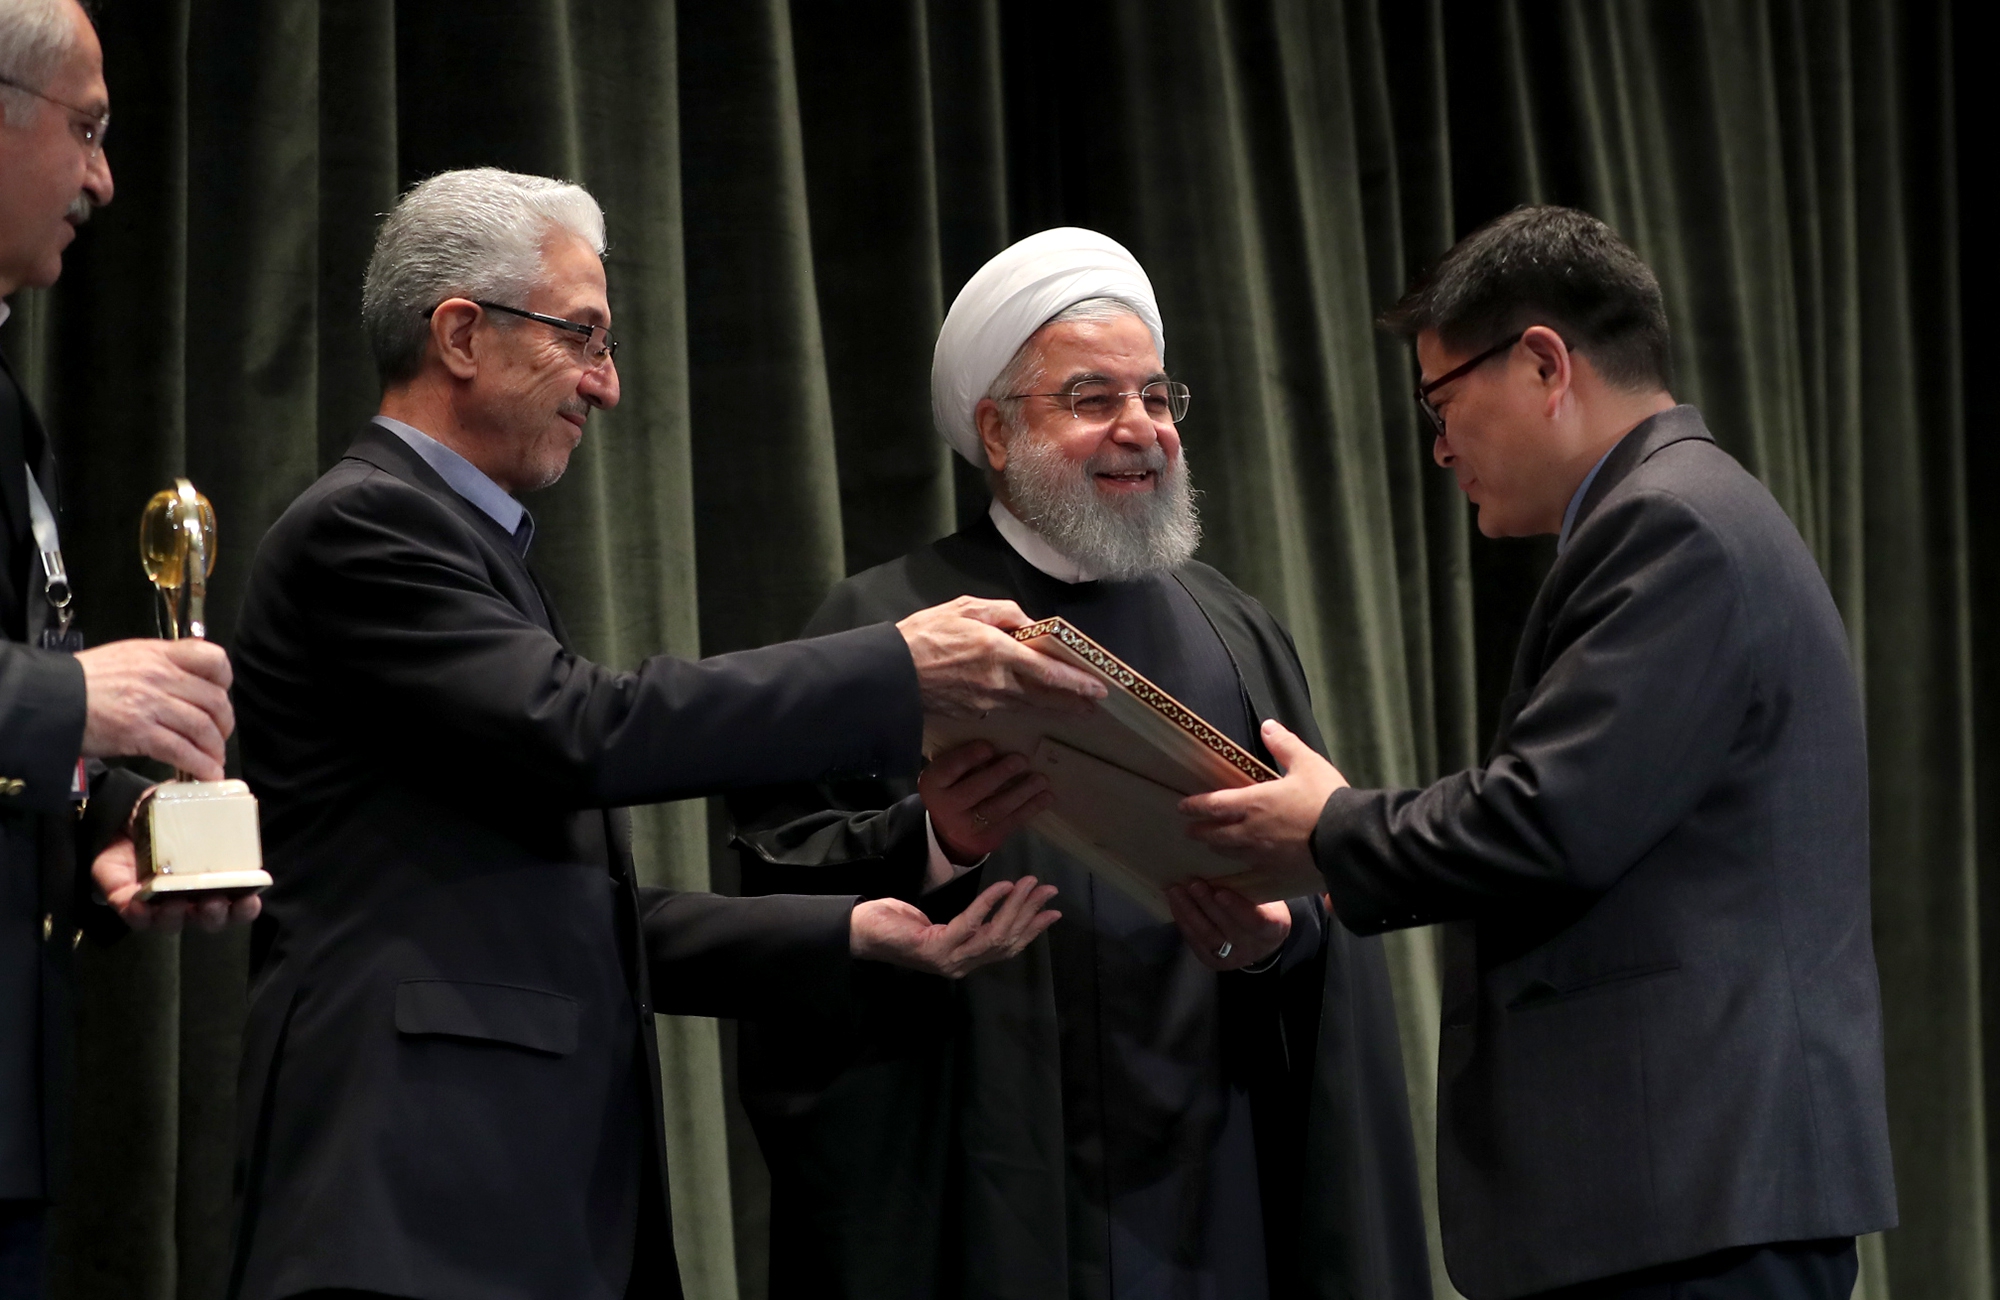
[992,426]
[1554,365]
[451,335]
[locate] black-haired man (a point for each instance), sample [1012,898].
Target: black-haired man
[1660,1069]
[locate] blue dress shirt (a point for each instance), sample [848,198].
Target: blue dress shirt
[469,481]
[1569,514]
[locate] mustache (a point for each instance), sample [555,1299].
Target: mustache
[1124,460]
[80,208]
[1122,537]
[575,406]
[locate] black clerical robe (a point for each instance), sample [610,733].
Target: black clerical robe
[1103,1117]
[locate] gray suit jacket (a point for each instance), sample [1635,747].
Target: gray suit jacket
[1662,1029]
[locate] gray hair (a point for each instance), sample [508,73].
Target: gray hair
[476,234]
[1025,370]
[35,37]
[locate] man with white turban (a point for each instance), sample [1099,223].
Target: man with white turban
[1208,1109]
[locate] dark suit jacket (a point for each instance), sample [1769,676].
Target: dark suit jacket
[45,848]
[1662,1032]
[450,1085]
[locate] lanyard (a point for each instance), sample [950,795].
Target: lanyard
[55,588]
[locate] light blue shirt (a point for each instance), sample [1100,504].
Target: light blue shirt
[1569,515]
[466,479]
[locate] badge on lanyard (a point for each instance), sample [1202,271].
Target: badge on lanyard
[57,633]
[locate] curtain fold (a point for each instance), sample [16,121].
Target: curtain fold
[794,192]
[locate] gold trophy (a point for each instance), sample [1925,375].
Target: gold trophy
[193,837]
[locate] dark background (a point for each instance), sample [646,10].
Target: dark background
[794,193]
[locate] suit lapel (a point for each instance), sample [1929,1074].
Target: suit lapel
[14,440]
[14,415]
[1680,424]
[23,442]
[524,590]
[512,576]
[45,474]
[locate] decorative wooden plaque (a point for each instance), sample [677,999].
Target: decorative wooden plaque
[1119,774]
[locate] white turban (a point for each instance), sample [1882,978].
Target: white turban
[1011,297]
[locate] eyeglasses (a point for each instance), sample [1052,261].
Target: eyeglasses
[1424,391]
[598,345]
[1096,401]
[89,131]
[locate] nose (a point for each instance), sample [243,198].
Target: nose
[97,179]
[1441,452]
[599,385]
[1133,427]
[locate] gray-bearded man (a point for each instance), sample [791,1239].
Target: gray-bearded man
[1132,1109]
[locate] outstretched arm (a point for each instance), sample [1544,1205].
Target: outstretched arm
[1648,680]
[786,955]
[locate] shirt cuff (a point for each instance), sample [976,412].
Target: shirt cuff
[1269,963]
[1302,943]
[941,870]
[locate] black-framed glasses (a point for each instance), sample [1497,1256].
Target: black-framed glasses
[1098,401]
[1424,391]
[598,345]
[90,131]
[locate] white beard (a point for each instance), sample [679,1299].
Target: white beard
[1116,537]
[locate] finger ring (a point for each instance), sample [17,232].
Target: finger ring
[1222,953]
[979,821]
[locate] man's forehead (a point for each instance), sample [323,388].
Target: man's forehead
[1107,347]
[1109,374]
[1433,357]
[574,274]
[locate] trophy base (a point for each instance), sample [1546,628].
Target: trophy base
[230,884]
[200,837]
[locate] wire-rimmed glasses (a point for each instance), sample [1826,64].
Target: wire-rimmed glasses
[1098,401]
[90,128]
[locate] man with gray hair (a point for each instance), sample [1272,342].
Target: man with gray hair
[1212,1108]
[62,708]
[450,1083]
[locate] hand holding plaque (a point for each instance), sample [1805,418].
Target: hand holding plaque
[1118,775]
[192,837]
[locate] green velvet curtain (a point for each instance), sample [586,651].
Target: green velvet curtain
[795,191]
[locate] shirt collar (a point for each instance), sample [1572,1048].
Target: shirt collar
[469,481]
[1576,501]
[1030,546]
[6,310]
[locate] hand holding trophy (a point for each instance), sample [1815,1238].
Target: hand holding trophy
[193,838]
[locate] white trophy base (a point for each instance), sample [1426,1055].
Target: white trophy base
[201,838]
[207,882]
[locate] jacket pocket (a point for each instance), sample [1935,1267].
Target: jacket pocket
[499,1013]
[1541,992]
